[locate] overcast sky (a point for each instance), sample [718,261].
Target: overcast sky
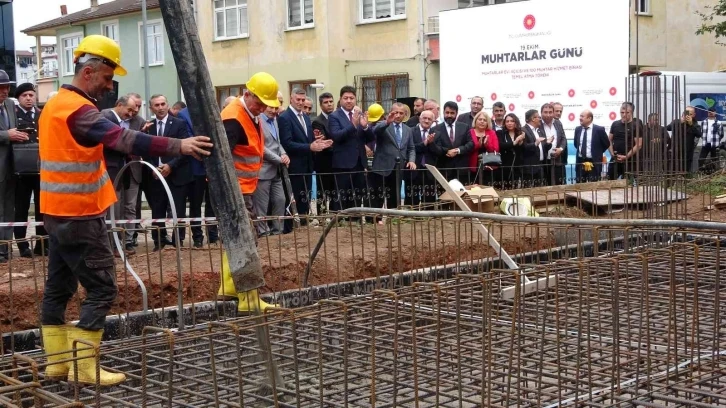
[28,13]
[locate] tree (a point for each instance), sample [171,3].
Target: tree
[709,26]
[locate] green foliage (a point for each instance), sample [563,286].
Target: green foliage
[712,185]
[712,21]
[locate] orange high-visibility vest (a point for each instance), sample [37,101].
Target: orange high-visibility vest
[247,159]
[73,178]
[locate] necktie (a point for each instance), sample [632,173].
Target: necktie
[583,146]
[424,133]
[398,135]
[6,120]
[350,116]
[160,132]
[302,123]
[451,134]
[271,122]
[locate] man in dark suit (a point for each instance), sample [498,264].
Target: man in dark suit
[452,145]
[477,104]
[555,170]
[299,142]
[350,132]
[121,115]
[418,107]
[26,184]
[420,184]
[323,161]
[394,141]
[176,170]
[591,142]
[534,149]
[8,134]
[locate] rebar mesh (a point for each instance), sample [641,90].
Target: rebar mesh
[635,320]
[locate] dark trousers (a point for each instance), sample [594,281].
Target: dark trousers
[705,164]
[352,188]
[25,186]
[555,174]
[532,176]
[159,201]
[200,192]
[506,177]
[386,189]
[583,176]
[326,189]
[302,185]
[79,252]
[413,181]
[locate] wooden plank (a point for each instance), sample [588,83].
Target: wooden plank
[541,191]
[224,191]
[630,196]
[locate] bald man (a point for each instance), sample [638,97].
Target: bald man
[591,142]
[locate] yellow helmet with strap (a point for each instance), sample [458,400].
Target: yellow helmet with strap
[103,48]
[375,112]
[264,86]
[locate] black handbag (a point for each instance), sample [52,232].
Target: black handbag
[490,159]
[25,158]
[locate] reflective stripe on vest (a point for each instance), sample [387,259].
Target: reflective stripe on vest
[247,159]
[73,178]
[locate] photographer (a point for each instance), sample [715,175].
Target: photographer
[25,162]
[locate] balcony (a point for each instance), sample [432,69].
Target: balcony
[432,28]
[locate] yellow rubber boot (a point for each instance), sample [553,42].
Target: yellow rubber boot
[87,359]
[226,286]
[250,302]
[55,342]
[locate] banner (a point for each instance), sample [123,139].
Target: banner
[528,53]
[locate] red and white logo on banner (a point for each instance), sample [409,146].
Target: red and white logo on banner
[613,91]
[494,96]
[571,116]
[571,93]
[511,107]
[613,115]
[529,21]
[593,104]
[458,98]
[531,95]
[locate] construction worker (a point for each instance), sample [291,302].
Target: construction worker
[246,141]
[75,193]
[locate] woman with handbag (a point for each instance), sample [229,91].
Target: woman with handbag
[486,147]
[510,139]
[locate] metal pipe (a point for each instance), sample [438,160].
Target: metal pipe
[144,38]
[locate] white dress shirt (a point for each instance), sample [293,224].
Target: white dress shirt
[536,135]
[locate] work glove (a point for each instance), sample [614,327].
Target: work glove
[588,166]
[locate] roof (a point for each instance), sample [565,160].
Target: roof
[21,53]
[113,8]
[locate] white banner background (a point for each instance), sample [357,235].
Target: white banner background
[544,37]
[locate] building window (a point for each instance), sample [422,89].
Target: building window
[642,6]
[383,89]
[307,85]
[154,42]
[110,30]
[69,44]
[224,92]
[230,19]
[378,10]
[24,76]
[299,13]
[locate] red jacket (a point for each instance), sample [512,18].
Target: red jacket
[491,146]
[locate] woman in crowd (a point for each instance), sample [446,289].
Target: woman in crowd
[511,139]
[485,141]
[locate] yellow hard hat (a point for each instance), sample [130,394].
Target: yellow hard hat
[102,47]
[264,86]
[375,112]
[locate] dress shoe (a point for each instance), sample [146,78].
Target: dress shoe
[3,259]
[130,250]
[40,251]
[26,253]
[135,241]
[213,241]
[198,244]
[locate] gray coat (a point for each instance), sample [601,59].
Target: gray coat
[384,159]
[272,156]
[5,148]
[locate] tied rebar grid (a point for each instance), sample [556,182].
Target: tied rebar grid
[640,328]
